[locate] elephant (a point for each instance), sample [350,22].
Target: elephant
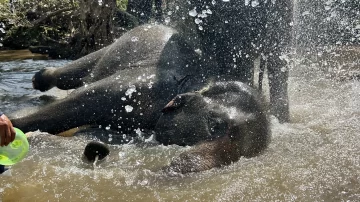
[223,121]
[127,86]
[136,75]
[235,33]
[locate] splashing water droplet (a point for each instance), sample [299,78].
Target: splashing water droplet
[198,21]
[128,108]
[130,90]
[193,12]
[134,38]
[254,3]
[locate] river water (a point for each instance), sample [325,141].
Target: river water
[316,157]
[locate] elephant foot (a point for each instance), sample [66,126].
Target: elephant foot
[44,79]
[281,111]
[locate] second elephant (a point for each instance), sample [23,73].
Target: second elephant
[234,33]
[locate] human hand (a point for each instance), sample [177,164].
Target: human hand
[7,132]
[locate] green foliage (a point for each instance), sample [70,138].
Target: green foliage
[9,18]
[22,7]
[51,23]
[21,29]
[122,4]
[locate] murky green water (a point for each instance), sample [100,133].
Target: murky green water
[314,158]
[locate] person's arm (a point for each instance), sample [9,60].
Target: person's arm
[7,132]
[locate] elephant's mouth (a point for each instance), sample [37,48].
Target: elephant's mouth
[95,151]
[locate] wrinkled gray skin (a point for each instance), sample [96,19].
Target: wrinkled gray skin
[149,60]
[143,70]
[224,121]
[234,34]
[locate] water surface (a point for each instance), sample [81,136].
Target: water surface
[313,158]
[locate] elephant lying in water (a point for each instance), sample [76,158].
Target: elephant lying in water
[134,77]
[125,87]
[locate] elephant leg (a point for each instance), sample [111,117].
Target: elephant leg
[278,82]
[261,73]
[278,33]
[68,77]
[78,109]
[205,155]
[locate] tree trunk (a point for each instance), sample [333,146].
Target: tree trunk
[96,27]
[142,9]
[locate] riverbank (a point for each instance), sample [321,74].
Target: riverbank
[10,55]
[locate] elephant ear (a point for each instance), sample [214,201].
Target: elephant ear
[174,104]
